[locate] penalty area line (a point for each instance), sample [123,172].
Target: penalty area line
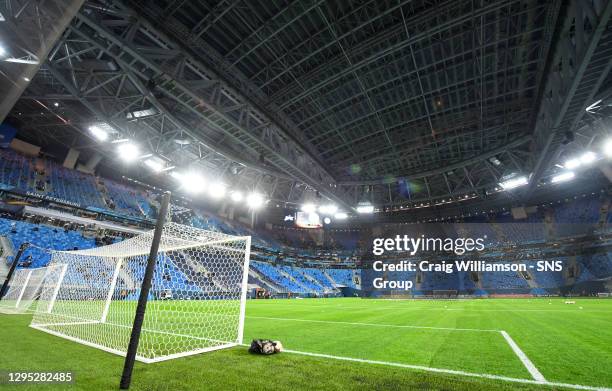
[523,357]
[450,371]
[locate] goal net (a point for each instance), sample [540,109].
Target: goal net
[196,302]
[24,288]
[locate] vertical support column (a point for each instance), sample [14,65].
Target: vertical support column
[57,288]
[130,357]
[244,286]
[109,297]
[25,284]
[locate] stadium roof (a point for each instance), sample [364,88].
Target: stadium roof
[390,102]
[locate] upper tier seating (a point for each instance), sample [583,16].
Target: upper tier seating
[16,170]
[41,236]
[129,201]
[73,186]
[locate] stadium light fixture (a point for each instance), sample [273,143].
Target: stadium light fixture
[193,183]
[365,208]
[255,200]
[495,161]
[217,190]
[154,165]
[588,157]
[98,133]
[128,151]
[190,182]
[607,148]
[514,183]
[330,209]
[340,216]
[308,208]
[572,163]
[327,220]
[2,51]
[563,177]
[593,107]
[236,196]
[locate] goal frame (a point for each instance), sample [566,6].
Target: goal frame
[24,285]
[109,298]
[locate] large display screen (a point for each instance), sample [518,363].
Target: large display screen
[308,220]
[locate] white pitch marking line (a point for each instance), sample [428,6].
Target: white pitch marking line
[538,377]
[449,371]
[523,357]
[372,324]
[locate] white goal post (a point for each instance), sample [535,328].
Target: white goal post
[196,302]
[24,288]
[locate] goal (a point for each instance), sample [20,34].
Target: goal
[24,288]
[196,302]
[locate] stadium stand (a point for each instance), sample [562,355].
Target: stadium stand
[15,171]
[45,237]
[571,218]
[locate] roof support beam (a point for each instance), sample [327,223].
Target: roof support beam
[577,73]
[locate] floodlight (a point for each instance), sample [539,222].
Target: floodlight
[154,165]
[340,216]
[328,209]
[255,200]
[236,196]
[572,163]
[514,183]
[327,220]
[128,151]
[495,161]
[217,190]
[98,132]
[365,209]
[309,208]
[192,182]
[607,148]
[588,157]
[563,177]
[2,51]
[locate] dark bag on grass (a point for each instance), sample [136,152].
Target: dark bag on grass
[265,346]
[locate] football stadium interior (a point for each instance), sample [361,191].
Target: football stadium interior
[407,194]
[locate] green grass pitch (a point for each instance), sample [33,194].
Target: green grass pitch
[569,344]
